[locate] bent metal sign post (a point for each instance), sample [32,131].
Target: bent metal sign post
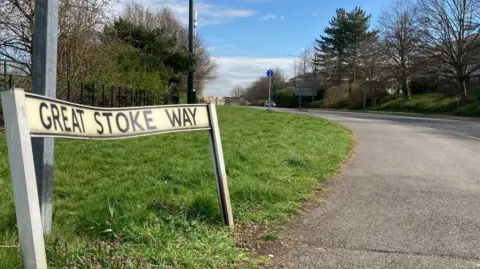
[29,115]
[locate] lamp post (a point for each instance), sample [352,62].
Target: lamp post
[295,79]
[295,64]
[364,88]
[190,91]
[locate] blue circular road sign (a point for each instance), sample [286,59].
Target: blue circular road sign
[270,73]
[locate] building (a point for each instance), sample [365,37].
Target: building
[205,99]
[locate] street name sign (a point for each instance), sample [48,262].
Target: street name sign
[30,115]
[55,118]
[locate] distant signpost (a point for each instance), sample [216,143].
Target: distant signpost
[305,89]
[269,75]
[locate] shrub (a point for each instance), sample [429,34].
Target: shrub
[316,104]
[260,102]
[472,110]
[349,97]
[285,98]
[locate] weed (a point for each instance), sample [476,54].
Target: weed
[296,161]
[270,237]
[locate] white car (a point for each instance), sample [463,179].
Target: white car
[272,104]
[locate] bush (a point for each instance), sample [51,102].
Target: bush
[335,97]
[285,98]
[260,102]
[316,104]
[472,110]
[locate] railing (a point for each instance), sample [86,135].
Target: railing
[92,94]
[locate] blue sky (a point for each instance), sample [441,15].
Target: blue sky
[247,37]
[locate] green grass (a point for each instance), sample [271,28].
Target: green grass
[422,103]
[153,200]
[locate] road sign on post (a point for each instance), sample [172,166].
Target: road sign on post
[44,82]
[269,75]
[31,115]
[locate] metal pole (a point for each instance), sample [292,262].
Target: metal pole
[111,97]
[103,95]
[44,82]
[93,95]
[190,94]
[269,89]
[81,93]
[364,94]
[364,91]
[119,95]
[68,90]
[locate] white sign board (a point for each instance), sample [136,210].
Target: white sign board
[29,115]
[55,118]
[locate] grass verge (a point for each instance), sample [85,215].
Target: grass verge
[422,103]
[151,202]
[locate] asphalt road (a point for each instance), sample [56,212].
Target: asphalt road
[409,198]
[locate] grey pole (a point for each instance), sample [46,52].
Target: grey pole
[190,93]
[364,91]
[269,89]
[193,51]
[44,83]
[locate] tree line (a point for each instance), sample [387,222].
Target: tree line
[424,37]
[424,40]
[141,48]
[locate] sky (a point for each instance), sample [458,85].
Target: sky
[247,37]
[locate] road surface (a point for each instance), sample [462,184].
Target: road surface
[409,198]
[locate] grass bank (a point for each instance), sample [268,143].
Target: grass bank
[422,103]
[151,202]
[419,104]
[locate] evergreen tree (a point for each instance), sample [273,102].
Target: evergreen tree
[338,46]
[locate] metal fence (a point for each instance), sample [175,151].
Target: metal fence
[92,94]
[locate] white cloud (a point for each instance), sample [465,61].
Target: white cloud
[282,17]
[211,48]
[243,70]
[268,17]
[208,14]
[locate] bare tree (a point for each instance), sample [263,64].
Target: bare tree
[80,21]
[399,40]
[450,43]
[16,29]
[237,91]
[304,61]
